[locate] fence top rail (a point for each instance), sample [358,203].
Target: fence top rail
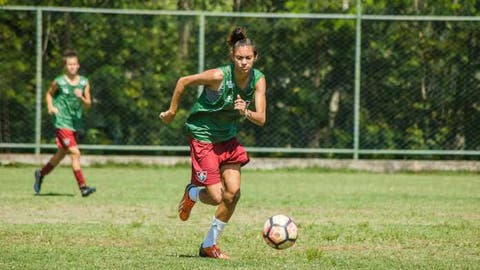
[255,149]
[242,14]
[181,12]
[420,18]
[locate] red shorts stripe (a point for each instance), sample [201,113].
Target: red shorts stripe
[207,158]
[65,138]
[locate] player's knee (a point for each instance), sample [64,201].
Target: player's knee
[231,197]
[216,200]
[75,152]
[236,197]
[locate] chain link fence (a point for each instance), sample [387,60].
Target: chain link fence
[420,85]
[17,77]
[418,89]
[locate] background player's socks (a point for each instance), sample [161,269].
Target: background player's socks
[80,179]
[46,169]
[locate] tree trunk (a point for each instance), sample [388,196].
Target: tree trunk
[237,5]
[184,31]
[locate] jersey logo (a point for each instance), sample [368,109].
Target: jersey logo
[66,142]
[65,90]
[201,176]
[230,84]
[229,99]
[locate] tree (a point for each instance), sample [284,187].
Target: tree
[419,86]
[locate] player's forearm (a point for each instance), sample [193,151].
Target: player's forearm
[86,102]
[257,118]
[177,95]
[49,100]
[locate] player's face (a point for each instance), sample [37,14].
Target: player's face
[243,57]
[72,65]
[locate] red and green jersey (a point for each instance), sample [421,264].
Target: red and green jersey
[212,118]
[69,107]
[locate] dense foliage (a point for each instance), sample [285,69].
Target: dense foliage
[420,80]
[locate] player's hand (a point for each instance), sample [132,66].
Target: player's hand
[78,93]
[52,110]
[240,105]
[167,116]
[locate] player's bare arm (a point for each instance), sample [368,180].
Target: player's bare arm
[49,98]
[85,96]
[211,78]
[258,117]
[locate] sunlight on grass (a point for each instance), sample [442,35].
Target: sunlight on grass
[346,220]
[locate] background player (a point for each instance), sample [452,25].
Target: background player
[65,97]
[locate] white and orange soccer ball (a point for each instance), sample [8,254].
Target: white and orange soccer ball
[280,232]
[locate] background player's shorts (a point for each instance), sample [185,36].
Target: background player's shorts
[65,138]
[207,159]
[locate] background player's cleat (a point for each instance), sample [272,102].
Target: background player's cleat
[87,190]
[37,185]
[186,204]
[212,252]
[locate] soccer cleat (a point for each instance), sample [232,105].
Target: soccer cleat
[37,185]
[186,204]
[212,252]
[87,190]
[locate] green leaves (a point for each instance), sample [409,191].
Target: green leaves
[419,80]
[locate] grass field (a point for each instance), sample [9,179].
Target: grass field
[347,220]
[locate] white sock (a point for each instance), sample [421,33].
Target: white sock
[193,193]
[215,230]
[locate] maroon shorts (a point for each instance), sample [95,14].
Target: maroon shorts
[65,138]
[208,157]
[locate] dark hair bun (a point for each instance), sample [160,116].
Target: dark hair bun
[236,35]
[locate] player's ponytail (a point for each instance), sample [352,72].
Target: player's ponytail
[238,37]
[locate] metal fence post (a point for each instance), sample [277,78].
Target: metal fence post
[356,146]
[201,47]
[38,103]
[356,110]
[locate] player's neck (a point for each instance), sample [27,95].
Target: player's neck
[241,78]
[72,78]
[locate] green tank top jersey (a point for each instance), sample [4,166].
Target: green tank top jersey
[69,107]
[212,118]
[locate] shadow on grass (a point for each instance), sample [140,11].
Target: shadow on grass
[183,256]
[54,194]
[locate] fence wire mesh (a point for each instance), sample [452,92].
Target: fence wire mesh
[420,85]
[17,77]
[419,79]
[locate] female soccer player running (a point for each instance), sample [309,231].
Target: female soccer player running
[65,97]
[216,154]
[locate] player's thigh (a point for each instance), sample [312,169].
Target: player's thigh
[61,152]
[231,177]
[59,155]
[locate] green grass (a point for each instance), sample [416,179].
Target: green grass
[347,220]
